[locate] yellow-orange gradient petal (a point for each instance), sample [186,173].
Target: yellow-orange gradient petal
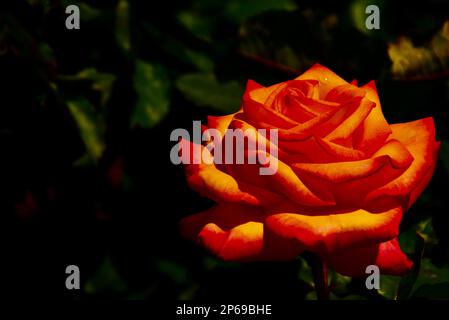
[419,139]
[221,123]
[236,232]
[388,256]
[286,182]
[327,79]
[215,184]
[374,129]
[326,234]
[338,172]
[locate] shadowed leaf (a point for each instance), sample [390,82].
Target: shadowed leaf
[204,90]
[151,84]
[91,126]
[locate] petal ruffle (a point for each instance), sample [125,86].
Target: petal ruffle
[236,232]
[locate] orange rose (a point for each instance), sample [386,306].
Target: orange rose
[344,178]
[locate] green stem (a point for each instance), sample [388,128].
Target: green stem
[320,277]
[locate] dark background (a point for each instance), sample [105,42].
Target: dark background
[86,115]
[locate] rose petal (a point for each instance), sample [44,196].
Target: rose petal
[374,129]
[339,172]
[236,232]
[351,123]
[217,185]
[221,123]
[388,256]
[256,112]
[419,138]
[327,78]
[286,182]
[329,233]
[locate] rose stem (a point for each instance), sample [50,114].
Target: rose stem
[320,277]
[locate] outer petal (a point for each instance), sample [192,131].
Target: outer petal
[387,256]
[419,138]
[236,232]
[334,232]
[217,185]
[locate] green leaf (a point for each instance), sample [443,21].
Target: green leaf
[409,238]
[242,10]
[122,31]
[430,275]
[92,126]
[175,271]
[338,283]
[305,272]
[199,60]
[151,83]
[102,82]
[408,281]
[200,25]
[178,50]
[389,286]
[204,90]
[433,291]
[420,62]
[105,279]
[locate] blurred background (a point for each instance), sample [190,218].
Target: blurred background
[86,115]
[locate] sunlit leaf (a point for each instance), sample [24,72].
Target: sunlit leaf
[91,126]
[203,89]
[152,85]
[440,45]
[410,61]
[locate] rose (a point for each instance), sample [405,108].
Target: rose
[344,178]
